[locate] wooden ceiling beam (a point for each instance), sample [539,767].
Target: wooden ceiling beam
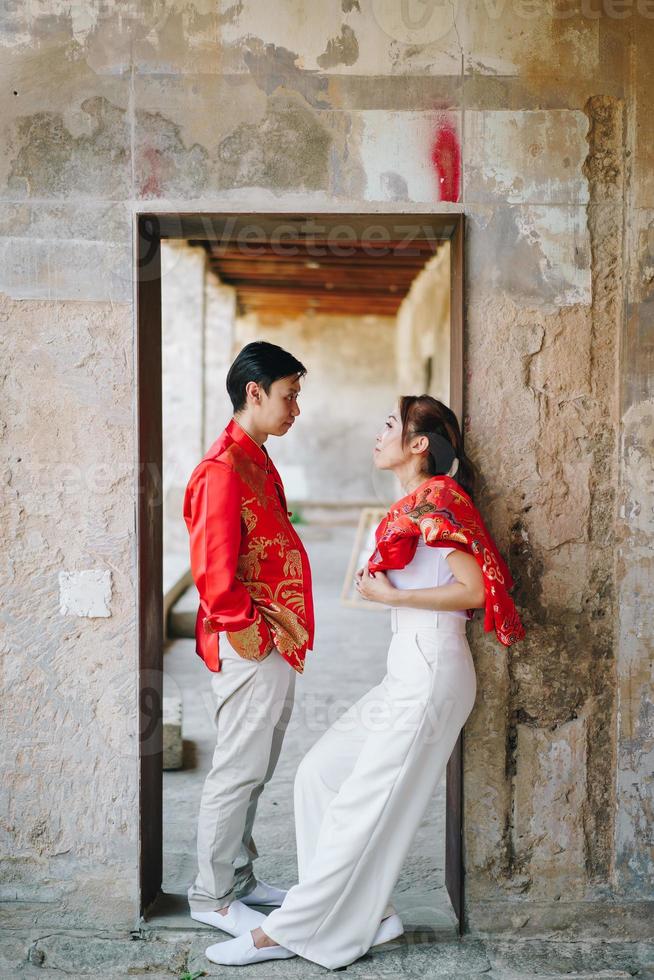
[295,275]
[297,307]
[255,289]
[322,247]
[337,287]
[391,261]
[281,270]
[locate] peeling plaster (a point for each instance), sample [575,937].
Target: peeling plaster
[288,149]
[526,156]
[274,67]
[48,160]
[538,254]
[341,50]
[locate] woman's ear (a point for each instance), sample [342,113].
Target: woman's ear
[419,445]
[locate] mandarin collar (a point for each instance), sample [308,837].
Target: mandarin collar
[256,453]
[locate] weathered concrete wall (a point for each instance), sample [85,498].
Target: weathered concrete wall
[68,830]
[422,342]
[345,106]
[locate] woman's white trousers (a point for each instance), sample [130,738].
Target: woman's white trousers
[363,789]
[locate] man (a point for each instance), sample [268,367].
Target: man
[254,580]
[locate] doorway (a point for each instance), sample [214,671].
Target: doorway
[396,241]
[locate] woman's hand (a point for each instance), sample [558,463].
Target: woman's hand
[374,586]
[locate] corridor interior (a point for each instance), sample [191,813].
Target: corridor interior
[368,327]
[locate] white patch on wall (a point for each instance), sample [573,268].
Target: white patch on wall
[424,35]
[534,156]
[396,150]
[562,237]
[86,593]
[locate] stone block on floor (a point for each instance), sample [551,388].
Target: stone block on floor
[173,747]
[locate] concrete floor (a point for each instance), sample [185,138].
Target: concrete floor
[349,657]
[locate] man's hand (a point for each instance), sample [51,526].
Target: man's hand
[374,586]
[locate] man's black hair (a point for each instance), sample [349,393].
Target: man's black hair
[261,362]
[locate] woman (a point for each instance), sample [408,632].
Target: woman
[363,789]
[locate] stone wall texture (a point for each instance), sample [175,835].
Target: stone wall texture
[536,121]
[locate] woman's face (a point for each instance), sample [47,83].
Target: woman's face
[389,452]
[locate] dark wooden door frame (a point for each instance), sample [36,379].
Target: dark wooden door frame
[149,230]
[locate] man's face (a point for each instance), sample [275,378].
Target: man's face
[276,411]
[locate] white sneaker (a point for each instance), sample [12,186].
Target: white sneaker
[238,920]
[389,928]
[264,894]
[242,952]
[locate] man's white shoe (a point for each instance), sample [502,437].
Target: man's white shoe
[389,928]
[239,919]
[264,894]
[242,952]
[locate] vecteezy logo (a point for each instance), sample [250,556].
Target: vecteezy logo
[415,21]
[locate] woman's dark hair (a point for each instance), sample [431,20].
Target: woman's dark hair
[422,415]
[261,362]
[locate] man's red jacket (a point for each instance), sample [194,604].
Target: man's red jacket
[248,563]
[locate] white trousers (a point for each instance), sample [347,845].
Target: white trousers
[254,701]
[363,789]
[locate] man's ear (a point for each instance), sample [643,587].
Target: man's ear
[253,392]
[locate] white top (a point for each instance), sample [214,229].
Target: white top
[427,569]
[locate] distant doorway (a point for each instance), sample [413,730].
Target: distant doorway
[277,263]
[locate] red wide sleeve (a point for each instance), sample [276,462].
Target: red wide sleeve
[213,516]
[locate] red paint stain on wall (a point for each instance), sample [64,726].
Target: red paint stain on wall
[151,182]
[446,158]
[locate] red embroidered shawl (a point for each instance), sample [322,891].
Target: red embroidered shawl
[443,513]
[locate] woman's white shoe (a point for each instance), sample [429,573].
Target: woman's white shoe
[242,951]
[238,920]
[389,929]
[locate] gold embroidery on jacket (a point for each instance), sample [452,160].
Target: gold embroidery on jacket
[293,564]
[291,634]
[249,472]
[286,629]
[282,607]
[249,517]
[247,642]
[282,542]
[290,596]
[249,565]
